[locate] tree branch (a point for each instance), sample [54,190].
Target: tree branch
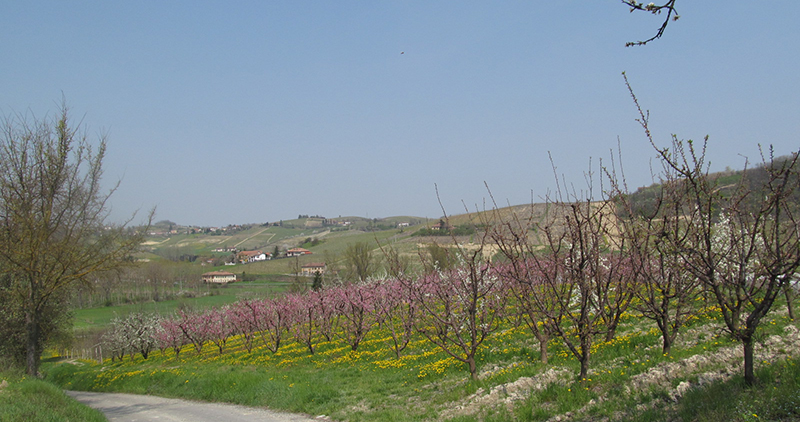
[672,14]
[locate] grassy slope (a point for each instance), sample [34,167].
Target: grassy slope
[630,379]
[333,243]
[25,400]
[334,240]
[266,238]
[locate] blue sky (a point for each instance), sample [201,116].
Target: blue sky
[245,112]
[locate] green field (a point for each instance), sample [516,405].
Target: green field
[216,296]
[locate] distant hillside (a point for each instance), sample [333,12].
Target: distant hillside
[328,238]
[753,179]
[215,245]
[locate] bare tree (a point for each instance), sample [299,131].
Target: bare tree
[53,229]
[394,299]
[298,282]
[157,274]
[457,309]
[567,277]
[744,249]
[524,274]
[107,282]
[395,305]
[359,262]
[615,289]
[571,269]
[438,258]
[397,265]
[665,291]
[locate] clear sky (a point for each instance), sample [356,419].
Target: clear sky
[252,111]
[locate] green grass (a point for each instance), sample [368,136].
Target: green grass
[26,400]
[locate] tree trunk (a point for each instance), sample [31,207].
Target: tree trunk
[543,340]
[749,374]
[32,343]
[789,295]
[473,368]
[584,368]
[667,337]
[584,358]
[611,332]
[667,345]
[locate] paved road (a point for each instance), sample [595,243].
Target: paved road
[138,408]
